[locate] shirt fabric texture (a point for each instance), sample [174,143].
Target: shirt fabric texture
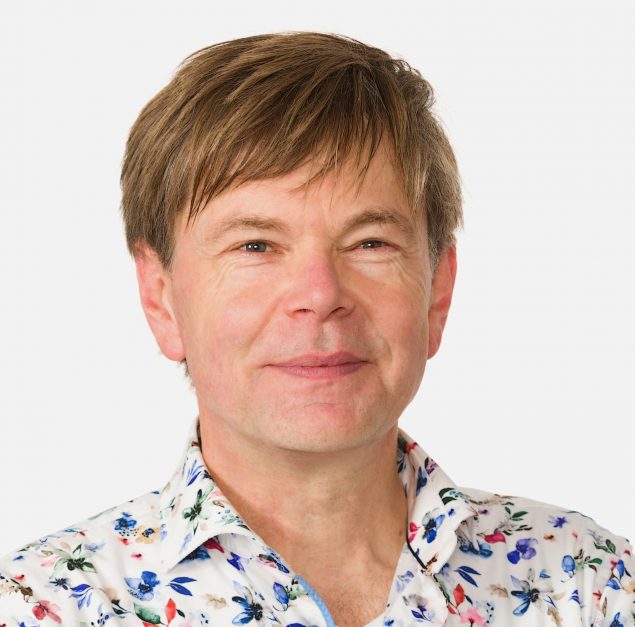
[183,557]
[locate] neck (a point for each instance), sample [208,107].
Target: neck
[312,508]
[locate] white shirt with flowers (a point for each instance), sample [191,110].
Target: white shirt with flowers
[183,557]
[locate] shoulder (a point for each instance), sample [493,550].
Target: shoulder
[60,574]
[532,545]
[514,516]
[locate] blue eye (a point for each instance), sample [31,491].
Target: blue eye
[255,242]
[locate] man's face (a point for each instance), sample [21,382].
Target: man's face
[240,301]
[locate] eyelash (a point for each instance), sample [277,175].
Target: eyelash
[259,241]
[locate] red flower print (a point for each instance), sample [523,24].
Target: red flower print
[170,611]
[459,595]
[413,531]
[46,608]
[212,543]
[497,536]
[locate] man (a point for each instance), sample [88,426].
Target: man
[291,204]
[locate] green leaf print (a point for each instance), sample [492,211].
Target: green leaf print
[147,614]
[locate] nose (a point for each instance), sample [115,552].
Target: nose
[317,287]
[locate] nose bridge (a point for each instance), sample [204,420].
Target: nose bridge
[316,282]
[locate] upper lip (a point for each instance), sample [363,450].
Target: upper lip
[315,359]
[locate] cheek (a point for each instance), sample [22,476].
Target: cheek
[404,323]
[405,298]
[219,328]
[407,330]
[410,343]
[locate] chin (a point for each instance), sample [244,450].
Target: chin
[321,436]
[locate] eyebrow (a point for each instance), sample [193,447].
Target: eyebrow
[374,215]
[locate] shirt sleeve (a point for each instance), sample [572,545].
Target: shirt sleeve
[614,589]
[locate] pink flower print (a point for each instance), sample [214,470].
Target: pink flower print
[412,531]
[472,617]
[46,608]
[492,538]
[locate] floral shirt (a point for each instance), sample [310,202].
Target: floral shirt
[183,556]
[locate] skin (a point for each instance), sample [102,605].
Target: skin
[310,464]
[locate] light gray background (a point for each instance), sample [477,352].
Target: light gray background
[532,391]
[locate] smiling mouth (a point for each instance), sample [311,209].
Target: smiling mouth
[321,372]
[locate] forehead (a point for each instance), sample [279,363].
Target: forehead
[374,188]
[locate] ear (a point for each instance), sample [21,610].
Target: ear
[155,290]
[440,298]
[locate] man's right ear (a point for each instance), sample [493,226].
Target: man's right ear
[155,290]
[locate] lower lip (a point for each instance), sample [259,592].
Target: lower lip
[321,372]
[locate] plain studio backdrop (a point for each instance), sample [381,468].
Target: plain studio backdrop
[532,391]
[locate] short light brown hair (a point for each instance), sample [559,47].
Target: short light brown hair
[259,107]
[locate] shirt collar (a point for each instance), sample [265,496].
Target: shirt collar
[194,510]
[439,514]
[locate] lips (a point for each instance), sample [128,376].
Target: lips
[314,359]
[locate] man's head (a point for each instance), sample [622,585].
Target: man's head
[306,132]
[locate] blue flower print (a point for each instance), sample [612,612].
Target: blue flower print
[143,588]
[524,550]
[403,580]
[199,553]
[558,521]
[568,565]
[237,561]
[252,610]
[484,549]
[432,526]
[615,579]
[420,612]
[530,592]
[60,582]
[617,621]
[125,522]
[421,480]
[281,595]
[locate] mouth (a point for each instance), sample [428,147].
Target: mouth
[316,359]
[315,366]
[321,372]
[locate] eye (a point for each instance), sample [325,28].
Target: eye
[374,241]
[254,246]
[259,246]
